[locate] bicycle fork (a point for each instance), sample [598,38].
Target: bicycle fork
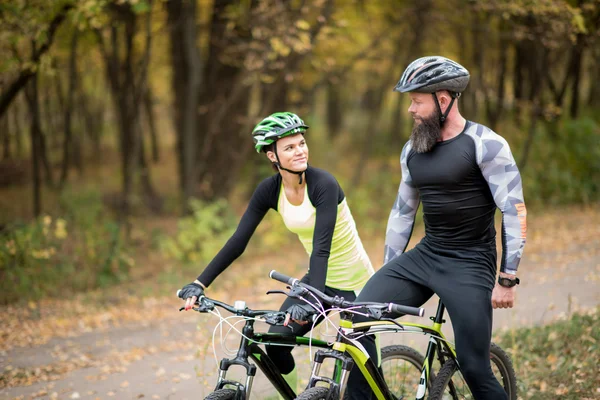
[343,366]
[242,391]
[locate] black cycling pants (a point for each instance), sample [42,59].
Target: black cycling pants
[463,279]
[282,355]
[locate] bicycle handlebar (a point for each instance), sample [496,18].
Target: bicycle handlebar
[206,304]
[339,302]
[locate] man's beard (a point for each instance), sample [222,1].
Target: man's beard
[426,134]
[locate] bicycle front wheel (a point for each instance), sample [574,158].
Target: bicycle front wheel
[221,394]
[401,367]
[314,393]
[450,383]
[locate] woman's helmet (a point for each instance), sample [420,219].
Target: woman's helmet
[431,74]
[276,126]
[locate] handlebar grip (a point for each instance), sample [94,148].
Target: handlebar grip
[282,278]
[397,308]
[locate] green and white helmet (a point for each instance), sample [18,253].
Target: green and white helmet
[276,126]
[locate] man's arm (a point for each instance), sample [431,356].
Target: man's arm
[502,175]
[402,216]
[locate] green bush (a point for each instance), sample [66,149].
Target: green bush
[564,168]
[51,256]
[200,235]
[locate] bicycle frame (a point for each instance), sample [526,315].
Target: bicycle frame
[437,345]
[249,347]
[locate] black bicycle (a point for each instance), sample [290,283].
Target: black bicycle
[250,354]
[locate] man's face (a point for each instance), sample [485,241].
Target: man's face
[426,129]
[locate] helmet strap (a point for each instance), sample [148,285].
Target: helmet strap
[278,165]
[443,117]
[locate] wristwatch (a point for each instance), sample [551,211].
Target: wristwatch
[508,282]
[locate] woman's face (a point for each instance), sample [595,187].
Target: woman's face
[292,151]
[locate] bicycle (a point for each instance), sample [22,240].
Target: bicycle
[448,384]
[226,389]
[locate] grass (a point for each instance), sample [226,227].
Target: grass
[558,360]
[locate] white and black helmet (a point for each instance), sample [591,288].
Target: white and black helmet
[431,74]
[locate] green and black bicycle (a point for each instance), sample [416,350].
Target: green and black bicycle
[249,354]
[398,372]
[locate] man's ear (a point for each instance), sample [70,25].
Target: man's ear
[444,99]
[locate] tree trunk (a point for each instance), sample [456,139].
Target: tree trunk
[186,83]
[48,175]
[374,123]
[68,111]
[334,109]
[576,75]
[148,108]
[150,194]
[33,102]
[559,92]
[397,127]
[538,72]
[494,113]
[92,117]
[224,107]
[121,77]
[53,126]
[594,93]
[535,116]
[5,135]
[17,129]
[518,81]
[480,40]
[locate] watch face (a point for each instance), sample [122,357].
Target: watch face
[506,282]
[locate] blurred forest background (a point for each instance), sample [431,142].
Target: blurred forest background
[126,157]
[125,124]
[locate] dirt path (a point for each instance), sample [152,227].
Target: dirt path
[160,358]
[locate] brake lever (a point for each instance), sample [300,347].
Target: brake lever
[203,305]
[295,291]
[276,292]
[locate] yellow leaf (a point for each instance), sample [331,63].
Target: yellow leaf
[303,25]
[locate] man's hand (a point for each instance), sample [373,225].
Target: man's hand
[503,297]
[191,292]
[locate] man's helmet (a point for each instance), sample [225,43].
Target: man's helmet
[431,74]
[276,126]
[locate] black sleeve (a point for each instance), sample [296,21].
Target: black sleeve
[325,198]
[261,201]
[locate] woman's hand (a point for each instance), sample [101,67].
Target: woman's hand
[190,293]
[299,313]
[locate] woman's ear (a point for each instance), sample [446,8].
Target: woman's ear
[271,156]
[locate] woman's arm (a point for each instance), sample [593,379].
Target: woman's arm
[326,199]
[259,204]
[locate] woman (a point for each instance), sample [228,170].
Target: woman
[313,206]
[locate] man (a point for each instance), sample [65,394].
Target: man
[461,172]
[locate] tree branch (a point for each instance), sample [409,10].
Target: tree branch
[15,87]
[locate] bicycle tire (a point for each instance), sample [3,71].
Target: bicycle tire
[314,393]
[222,394]
[403,381]
[450,380]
